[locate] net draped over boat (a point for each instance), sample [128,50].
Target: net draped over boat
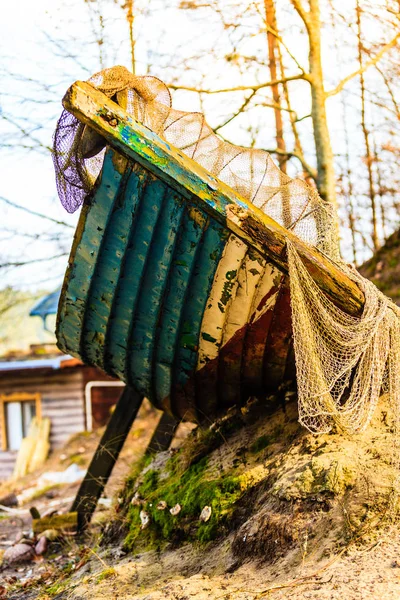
[343,363]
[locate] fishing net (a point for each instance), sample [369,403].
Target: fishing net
[78,157]
[343,363]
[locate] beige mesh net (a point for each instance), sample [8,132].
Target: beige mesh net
[252,173]
[343,363]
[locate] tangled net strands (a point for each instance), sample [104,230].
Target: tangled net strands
[343,363]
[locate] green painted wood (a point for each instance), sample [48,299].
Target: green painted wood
[127,293]
[151,293]
[84,254]
[206,191]
[182,264]
[108,266]
[210,251]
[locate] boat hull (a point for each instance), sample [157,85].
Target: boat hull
[162,296]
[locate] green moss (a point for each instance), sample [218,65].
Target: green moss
[262,442]
[77,459]
[136,469]
[106,574]
[59,586]
[204,441]
[44,490]
[192,491]
[150,483]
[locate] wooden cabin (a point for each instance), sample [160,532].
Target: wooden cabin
[73,396]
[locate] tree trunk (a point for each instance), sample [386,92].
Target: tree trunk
[326,181]
[326,175]
[128,6]
[368,155]
[272,55]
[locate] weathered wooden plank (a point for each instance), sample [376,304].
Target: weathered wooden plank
[127,294]
[163,434]
[257,330]
[151,293]
[230,388]
[109,264]
[182,265]
[207,259]
[278,341]
[224,288]
[203,189]
[83,258]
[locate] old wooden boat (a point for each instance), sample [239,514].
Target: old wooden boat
[176,284]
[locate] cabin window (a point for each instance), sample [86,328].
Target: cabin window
[17,412]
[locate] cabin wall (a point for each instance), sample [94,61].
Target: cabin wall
[7,461]
[62,401]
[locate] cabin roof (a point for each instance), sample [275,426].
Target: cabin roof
[46,305]
[50,364]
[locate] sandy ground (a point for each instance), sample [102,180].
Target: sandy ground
[366,573]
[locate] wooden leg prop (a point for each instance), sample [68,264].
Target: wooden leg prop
[106,455]
[163,434]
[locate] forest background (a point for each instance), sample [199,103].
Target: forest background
[314,82]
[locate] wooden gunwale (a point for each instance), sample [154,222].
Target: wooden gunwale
[205,191]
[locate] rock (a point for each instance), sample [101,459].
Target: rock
[205,514]
[51,534]
[175,510]
[52,494]
[19,553]
[145,519]
[41,546]
[9,501]
[20,536]
[137,500]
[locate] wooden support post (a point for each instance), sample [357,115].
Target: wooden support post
[106,455]
[163,434]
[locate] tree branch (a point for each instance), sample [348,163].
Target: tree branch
[235,114]
[367,65]
[31,261]
[293,154]
[241,88]
[34,213]
[303,14]
[281,41]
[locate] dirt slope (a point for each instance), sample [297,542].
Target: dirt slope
[291,513]
[261,508]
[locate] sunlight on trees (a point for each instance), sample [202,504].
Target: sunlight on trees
[314,82]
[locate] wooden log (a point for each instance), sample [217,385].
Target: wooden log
[204,190]
[64,523]
[163,434]
[106,455]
